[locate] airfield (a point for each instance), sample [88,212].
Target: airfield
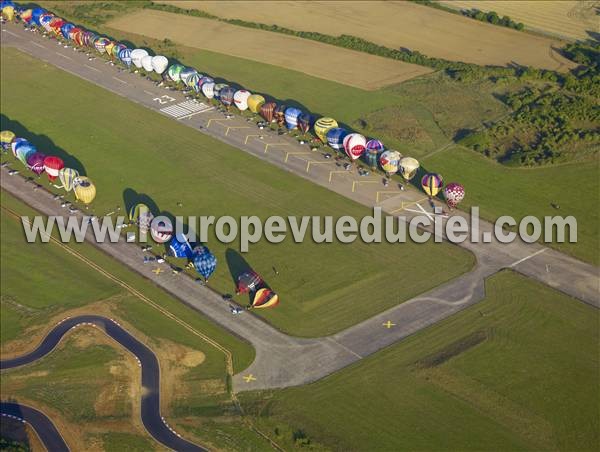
[328,349]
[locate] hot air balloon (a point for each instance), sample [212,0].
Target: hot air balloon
[267,111]
[45,19]
[255,102]
[6,137]
[432,184]
[454,193]
[35,162]
[8,12]
[136,57]
[373,149]
[24,150]
[248,281]
[159,64]
[161,231]
[26,15]
[147,63]
[208,89]
[218,88]
[291,117]
[335,137]
[84,188]
[108,48]
[241,99]
[76,35]
[204,79]
[101,43]
[125,56]
[186,73]
[66,30]
[354,145]
[52,166]
[140,214]
[389,161]
[67,177]
[116,50]
[204,261]
[14,145]
[35,15]
[226,95]
[408,167]
[305,122]
[279,115]
[322,126]
[180,247]
[265,298]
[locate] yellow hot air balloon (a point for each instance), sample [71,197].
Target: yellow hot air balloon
[85,190]
[322,126]
[6,137]
[255,101]
[408,167]
[108,48]
[8,12]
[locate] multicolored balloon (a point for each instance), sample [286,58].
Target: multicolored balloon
[24,150]
[322,126]
[179,246]
[432,183]
[52,166]
[226,95]
[35,162]
[279,114]
[265,298]
[305,121]
[67,177]
[267,111]
[291,117]
[390,161]
[204,261]
[174,72]
[14,145]
[141,215]
[335,138]
[354,145]
[186,73]
[454,193]
[248,281]
[408,167]
[373,149]
[218,88]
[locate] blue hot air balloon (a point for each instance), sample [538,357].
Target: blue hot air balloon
[125,56]
[180,247]
[204,261]
[226,95]
[35,15]
[291,117]
[66,29]
[335,138]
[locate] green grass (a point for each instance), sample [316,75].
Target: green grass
[500,190]
[124,146]
[116,442]
[518,371]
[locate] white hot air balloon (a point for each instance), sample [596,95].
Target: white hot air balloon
[208,89]
[241,99]
[147,63]
[136,57]
[159,64]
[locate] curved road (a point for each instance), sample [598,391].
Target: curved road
[283,360]
[150,406]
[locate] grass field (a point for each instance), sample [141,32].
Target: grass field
[398,24]
[568,19]
[310,57]
[90,383]
[123,146]
[518,371]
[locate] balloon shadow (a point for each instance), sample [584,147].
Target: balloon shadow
[237,265]
[43,143]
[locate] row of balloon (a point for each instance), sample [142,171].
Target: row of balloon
[53,166]
[326,129]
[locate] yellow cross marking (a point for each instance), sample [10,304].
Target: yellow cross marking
[316,163]
[389,324]
[249,378]
[295,154]
[158,270]
[235,127]
[274,144]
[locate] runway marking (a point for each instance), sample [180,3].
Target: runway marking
[296,154]
[217,120]
[345,348]
[274,144]
[379,193]
[315,162]
[527,257]
[429,215]
[235,127]
[119,80]
[64,56]
[331,173]
[12,34]
[248,378]
[158,270]
[149,93]
[358,182]
[250,136]
[37,44]
[186,109]
[388,324]
[92,68]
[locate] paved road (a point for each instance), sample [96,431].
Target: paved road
[150,403]
[43,426]
[282,360]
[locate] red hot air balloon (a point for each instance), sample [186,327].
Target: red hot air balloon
[454,194]
[53,165]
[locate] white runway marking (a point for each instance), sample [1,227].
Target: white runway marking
[527,257]
[149,93]
[38,44]
[64,56]
[119,80]
[186,109]
[345,348]
[12,34]
[92,68]
[430,216]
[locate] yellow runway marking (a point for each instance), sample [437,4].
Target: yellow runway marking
[379,193]
[316,163]
[274,144]
[217,121]
[388,324]
[249,378]
[235,127]
[405,205]
[251,136]
[331,173]
[295,154]
[157,270]
[358,182]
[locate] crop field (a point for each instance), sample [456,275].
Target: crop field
[127,149]
[399,24]
[518,371]
[313,58]
[568,19]
[90,384]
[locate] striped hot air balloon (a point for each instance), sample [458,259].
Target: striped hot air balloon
[432,184]
[101,43]
[84,188]
[305,121]
[52,166]
[279,115]
[24,150]
[267,111]
[373,150]
[265,298]
[322,126]
[67,177]
[125,56]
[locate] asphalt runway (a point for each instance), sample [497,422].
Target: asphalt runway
[317,357]
[150,403]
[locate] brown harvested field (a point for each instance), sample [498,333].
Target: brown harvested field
[568,19]
[398,24]
[313,58]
